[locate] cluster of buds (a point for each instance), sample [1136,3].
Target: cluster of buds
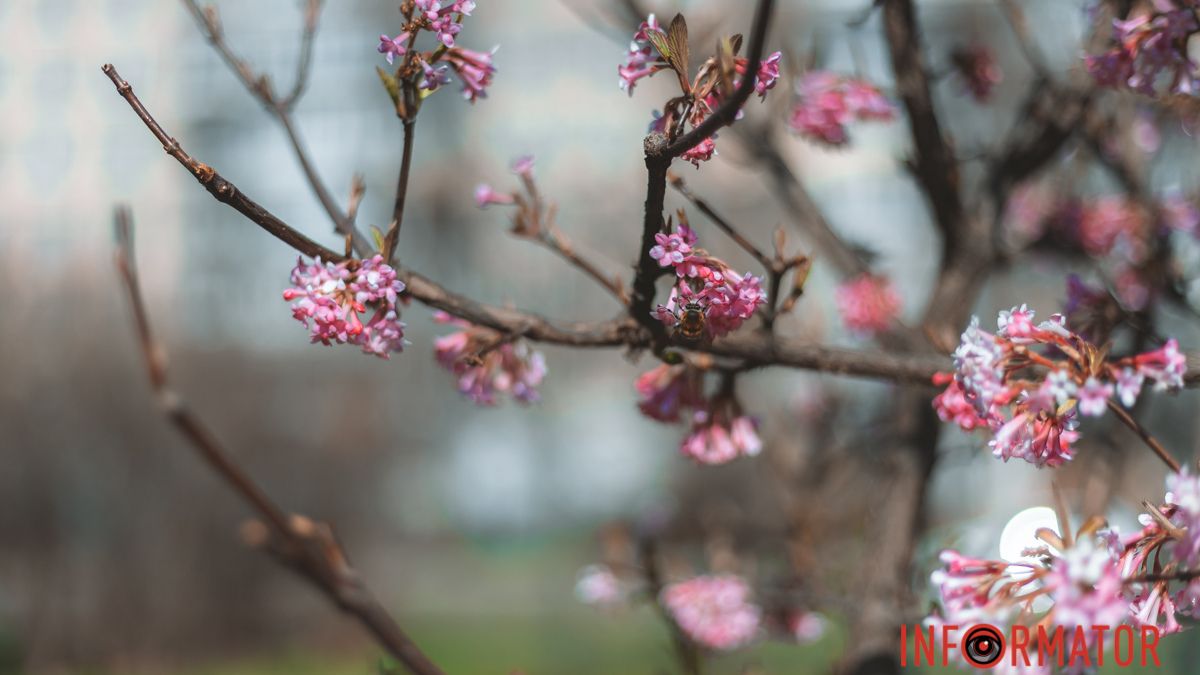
[1150,48]
[1029,383]
[425,72]
[705,284]
[654,49]
[868,304]
[487,362]
[720,431]
[1097,578]
[1117,230]
[715,611]
[977,70]
[351,302]
[826,102]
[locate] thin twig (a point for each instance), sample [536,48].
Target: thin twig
[217,186]
[676,181]
[393,233]
[260,87]
[308,548]
[1145,435]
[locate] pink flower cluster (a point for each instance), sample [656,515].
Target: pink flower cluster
[431,69]
[702,95]
[1150,48]
[329,298]
[1028,383]
[826,102]
[977,70]
[868,304]
[720,432]
[487,363]
[1099,580]
[1114,229]
[726,297]
[642,59]
[714,611]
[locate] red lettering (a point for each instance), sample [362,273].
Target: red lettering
[1150,645]
[1099,631]
[1117,645]
[1019,640]
[1054,646]
[1079,647]
[947,644]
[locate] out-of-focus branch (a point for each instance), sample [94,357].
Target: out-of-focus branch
[1145,435]
[209,22]
[686,651]
[724,225]
[791,191]
[309,548]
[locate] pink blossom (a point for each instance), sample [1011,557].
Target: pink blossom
[1016,323]
[715,611]
[486,196]
[826,103]
[474,70]
[952,405]
[332,299]
[727,297]
[392,47]
[1129,386]
[977,70]
[713,440]
[1086,586]
[597,585]
[868,304]
[1164,366]
[807,627]
[1042,438]
[671,249]
[1149,46]
[642,59]
[486,364]
[1093,397]
[701,152]
[666,390]
[446,28]
[523,166]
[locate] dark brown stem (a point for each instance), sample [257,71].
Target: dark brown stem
[393,233]
[648,270]
[308,548]
[1145,435]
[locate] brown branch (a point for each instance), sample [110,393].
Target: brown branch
[393,233]
[728,110]
[1145,435]
[756,350]
[308,548]
[648,270]
[558,242]
[260,87]
[223,190]
[725,226]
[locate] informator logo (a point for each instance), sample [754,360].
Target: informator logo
[986,646]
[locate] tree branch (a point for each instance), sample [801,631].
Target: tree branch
[260,87]
[310,549]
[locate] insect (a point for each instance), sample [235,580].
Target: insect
[691,325]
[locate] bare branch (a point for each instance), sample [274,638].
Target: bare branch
[217,186]
[1145,435]
[310,549]
[725,226]
[209,22]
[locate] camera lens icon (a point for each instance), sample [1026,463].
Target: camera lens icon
[983,645]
